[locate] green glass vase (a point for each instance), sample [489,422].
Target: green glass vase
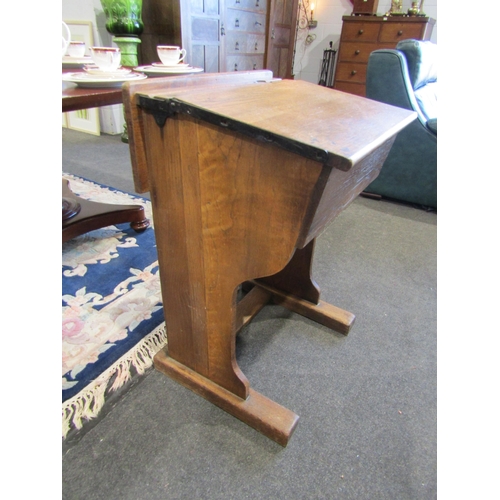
[123,17]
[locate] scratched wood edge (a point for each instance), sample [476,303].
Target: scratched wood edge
[262,414]
[323,313]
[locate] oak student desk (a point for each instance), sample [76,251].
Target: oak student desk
[244,175]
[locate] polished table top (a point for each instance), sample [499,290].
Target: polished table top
[74,97]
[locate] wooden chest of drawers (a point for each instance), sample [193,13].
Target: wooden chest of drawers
[361,35]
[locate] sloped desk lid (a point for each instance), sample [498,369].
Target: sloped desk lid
[329,126]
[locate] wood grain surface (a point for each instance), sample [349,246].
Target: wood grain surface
[155,86]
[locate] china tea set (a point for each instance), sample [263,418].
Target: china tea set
[103,68]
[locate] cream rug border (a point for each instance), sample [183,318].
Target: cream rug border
[87,404]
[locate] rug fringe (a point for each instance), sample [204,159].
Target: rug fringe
[88,403]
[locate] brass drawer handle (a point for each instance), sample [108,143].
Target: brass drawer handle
[360,32]
[356,52]
[353,72]
[400,32]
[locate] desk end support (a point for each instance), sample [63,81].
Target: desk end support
[295,289]
[264,415]
[323,313]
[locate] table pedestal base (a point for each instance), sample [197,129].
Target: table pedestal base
[80,216]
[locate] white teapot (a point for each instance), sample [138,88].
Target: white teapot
[66,38]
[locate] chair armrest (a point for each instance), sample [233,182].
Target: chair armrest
[432,125]
[388,81]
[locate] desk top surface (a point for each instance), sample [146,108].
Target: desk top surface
[343,126]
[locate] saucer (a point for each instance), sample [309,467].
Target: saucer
[94,70]
[176,65]
[76,62]
[84,59]
[152,70]
[85,80]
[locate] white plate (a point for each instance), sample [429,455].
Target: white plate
[85,80]
[158,71]
[99,72]
[76,62]
[178,65]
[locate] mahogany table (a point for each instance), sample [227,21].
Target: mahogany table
[75,98]
[244,175]
[78,215]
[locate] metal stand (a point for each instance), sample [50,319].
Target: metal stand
[327,66]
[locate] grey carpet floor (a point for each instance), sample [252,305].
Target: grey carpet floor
[367,402]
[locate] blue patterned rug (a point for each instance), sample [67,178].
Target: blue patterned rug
[112,314]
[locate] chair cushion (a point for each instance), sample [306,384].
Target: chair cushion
[427,100]
[421,58]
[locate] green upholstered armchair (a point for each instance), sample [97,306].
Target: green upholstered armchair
[407,77]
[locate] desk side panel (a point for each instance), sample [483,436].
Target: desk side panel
[342,187]
[227,209]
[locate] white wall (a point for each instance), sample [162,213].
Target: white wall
[328,13]
[88,10]
[308,57]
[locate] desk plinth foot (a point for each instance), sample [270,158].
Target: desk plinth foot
[264,415]
[323,313]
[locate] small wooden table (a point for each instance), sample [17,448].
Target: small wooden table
[78,215]
[244,176]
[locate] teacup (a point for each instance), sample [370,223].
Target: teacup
[106,58]
[76,49]
[170,55]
